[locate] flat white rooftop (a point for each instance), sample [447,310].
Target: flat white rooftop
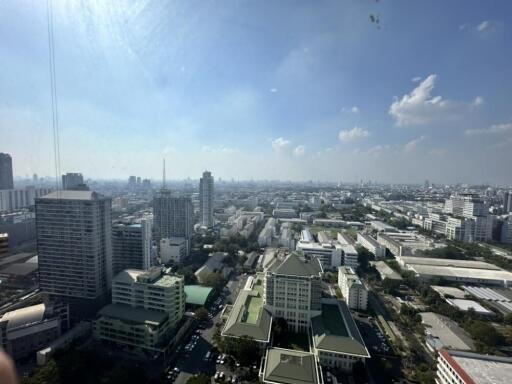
[484,369]
[473,264]
[462,274]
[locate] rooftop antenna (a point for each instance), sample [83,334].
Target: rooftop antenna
[163,179]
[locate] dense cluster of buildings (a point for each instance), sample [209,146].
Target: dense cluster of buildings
[115,271]
[290,288]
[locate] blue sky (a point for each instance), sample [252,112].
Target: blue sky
[295,90]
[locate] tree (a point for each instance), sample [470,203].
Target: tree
[390,286]
[201,314]
[359,372]
[215,280]
[201,379]
[188,273]
[363,257]
[484,333]
[244,349]
[280,325]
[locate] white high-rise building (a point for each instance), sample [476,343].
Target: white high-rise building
[352,289]
[293,289]
[206,199]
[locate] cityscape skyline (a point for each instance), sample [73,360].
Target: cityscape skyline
[255,192]
[304,94]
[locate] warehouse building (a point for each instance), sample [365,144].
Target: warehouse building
[461,271]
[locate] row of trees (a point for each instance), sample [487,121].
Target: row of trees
[85,366]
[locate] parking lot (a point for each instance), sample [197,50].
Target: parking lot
[374,339]
[195,356]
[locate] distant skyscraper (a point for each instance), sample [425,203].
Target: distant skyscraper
[131,245]
[507,201]
[146,183]
[206,199]
[73,182]
[74,244]
[6,179]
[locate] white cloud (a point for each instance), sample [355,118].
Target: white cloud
[273,90]
[353,134]
[353,109]
[377,150]
[280,144]
[219,149]
[296,64]
[484,26]
[492,130]
[437,152]
[420,107]
[416,79]
[413,144]
[479,100]
[168,149]
[300,150]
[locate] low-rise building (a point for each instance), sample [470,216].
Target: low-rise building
[406,243]
[441,332]
[284,213]
[337,342]
[214,263]
[470,368]
[385,271]
[380,226]
[461,271]
[146,309]
[26,330]
[248,317]
[285,366]
[353,290]
[173,250]
[197,295]
[371,245]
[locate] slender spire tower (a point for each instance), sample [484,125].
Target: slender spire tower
[163,178]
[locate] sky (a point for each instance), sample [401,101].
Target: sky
[290,90]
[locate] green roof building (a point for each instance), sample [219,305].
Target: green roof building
[248,317]
[336,339]
[197,295]
[284,366]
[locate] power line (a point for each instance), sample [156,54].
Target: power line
[53,91]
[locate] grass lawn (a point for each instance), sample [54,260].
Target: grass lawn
[314,229]
[292,340]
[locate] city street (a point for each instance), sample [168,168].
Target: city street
[194,363]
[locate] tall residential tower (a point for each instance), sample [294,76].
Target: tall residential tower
[74,245]
[206,199]
[6,179]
